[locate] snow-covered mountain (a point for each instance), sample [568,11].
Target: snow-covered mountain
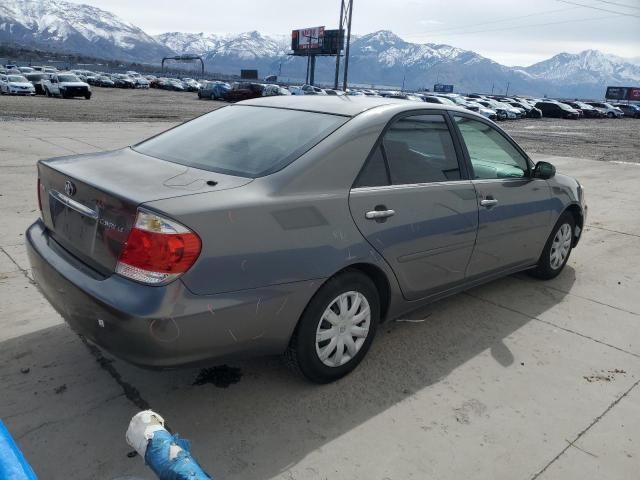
[383,58]
[380,58]
[59,25]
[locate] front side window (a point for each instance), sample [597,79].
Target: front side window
[419,149]
[492,155]
[243,140]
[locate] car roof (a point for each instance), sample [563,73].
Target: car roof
[337,104]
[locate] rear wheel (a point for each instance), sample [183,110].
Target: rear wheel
[213,96]
[336,329]
[557,249]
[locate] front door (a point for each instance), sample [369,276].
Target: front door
[514,209]
[415,205]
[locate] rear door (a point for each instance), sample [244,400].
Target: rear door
[514,208]
[415,205]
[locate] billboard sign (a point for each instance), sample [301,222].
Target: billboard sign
[623,93]
[441,88]
[249,74]
[307,39]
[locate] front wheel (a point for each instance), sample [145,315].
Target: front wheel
[610,115]
[557,249]
[336,329]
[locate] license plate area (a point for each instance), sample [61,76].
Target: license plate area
[73,222]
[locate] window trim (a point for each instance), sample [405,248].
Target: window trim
[467,157]
[460,153]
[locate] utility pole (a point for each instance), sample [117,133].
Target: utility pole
[340,36]
[347,11]
[506,94]
[492,87]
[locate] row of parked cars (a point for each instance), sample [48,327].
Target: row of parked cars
[49,81]
[42,80]
[494,107]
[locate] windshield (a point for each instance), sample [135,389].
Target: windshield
[68,78]
[17,79]
[242,140]
[35,77]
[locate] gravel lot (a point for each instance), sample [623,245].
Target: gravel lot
[109,105]
[608,140]
[605,139]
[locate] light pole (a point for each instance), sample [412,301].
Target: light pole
[346,9]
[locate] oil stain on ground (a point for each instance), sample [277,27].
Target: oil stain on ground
[221,376]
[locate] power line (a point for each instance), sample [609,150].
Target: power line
[532,25]
[598,8]
[504,19]
[619,4]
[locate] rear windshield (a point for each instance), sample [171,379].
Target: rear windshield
[243,140]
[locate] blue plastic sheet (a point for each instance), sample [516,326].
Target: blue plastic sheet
[13,465]
[182,467]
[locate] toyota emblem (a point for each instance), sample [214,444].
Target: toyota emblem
[69,188]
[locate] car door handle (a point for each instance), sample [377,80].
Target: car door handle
[489,202]
[377,214]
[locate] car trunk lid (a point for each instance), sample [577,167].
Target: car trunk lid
[89,202]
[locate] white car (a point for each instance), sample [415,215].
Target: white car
[66,85]
[607,109]
[16,85]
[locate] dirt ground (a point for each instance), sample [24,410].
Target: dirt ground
[109,105]
[605,140]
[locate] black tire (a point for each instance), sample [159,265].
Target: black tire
[610,115]
[301,355]
[47,92]
[87,96]
[213,96]
[545,270]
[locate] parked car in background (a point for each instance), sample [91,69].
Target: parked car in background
[123,81]
[104,81]
[484,111]
[271,90]
[587,110]
[331,91]
[191,85]
[37,79]
[24,70]
[16,85]
[609,110]
[501,112]
[244,91]
[312,90]
[436,99]
[66,85]
[246,260]
[630,110]
[557,110]
[214,90]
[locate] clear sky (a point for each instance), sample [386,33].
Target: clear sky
[512,32]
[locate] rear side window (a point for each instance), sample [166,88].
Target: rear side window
[419,149]
[243,140]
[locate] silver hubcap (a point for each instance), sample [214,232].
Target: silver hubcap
[561,246]
[343,329]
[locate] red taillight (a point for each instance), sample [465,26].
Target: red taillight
[157,250]
[39,188]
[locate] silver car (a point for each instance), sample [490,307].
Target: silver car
[292,225]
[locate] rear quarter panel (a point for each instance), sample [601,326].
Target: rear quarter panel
[291,226]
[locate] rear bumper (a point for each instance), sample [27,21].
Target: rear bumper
[164,326]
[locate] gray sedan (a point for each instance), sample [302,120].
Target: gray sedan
[292,225]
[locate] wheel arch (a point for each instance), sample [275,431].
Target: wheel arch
[578,216]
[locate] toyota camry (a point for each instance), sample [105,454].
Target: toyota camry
[293,226]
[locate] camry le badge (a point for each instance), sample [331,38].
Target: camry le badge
[69,188]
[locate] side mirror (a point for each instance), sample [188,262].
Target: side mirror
[544,171]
